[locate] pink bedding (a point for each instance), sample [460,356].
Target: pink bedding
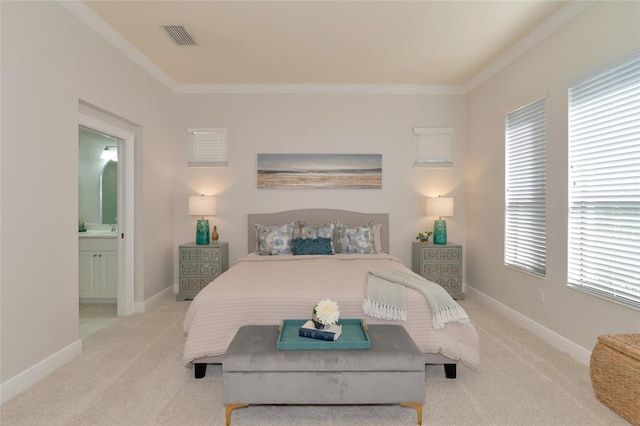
[266,289]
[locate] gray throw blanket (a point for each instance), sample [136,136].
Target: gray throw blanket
[386,297]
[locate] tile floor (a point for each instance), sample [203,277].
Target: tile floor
[96,316]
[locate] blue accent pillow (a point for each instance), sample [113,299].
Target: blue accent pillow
[306,246]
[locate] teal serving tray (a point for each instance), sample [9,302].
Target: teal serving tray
[354,336]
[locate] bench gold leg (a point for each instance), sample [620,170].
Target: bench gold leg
[230,408]
[415,405]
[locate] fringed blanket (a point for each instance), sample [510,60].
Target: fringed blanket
[386,297]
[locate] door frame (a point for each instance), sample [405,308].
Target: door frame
[125,206]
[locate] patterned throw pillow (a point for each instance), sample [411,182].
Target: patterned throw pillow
[273,240]
[307,246]
[356,239]
[326,230]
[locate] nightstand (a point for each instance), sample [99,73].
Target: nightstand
[199,265]
[440,263]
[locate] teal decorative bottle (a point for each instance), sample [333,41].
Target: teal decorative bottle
[202,232]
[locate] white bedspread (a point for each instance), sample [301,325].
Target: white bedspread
[266,289]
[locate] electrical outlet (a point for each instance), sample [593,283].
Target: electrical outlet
[541,295]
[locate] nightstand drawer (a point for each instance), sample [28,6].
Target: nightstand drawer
[199,270]
[449,269]
[194,284]
[451,284]
[451,254]
[206,254]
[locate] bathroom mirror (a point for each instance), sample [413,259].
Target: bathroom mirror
[97,178]
[109,193]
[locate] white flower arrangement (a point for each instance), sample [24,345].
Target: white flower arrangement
[423,237]
[326,312]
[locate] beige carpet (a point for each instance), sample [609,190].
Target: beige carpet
[131,373]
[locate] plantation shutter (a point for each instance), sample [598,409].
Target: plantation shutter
[207,147]
[604,182]
[433,147]
[525,245]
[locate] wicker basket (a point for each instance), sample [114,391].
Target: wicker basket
[615,374]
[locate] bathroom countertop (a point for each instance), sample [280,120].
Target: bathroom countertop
[97,234]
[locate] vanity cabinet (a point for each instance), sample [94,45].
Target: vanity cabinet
[440,263]
[98,269]
[199,265]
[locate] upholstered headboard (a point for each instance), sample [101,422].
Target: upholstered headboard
[317,216]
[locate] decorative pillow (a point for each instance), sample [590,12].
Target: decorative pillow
[306,246]
[274,240]
[356,239]
[326,230]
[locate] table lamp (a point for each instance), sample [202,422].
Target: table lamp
[441,206]
[202,205]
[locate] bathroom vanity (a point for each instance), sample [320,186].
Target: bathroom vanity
[98,265]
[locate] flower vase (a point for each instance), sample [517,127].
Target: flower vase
[316,322]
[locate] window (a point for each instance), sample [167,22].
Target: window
[604,182]
[207,147]
[433,147]
[525,245]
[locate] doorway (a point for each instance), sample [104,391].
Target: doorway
[97,229]
[98,121]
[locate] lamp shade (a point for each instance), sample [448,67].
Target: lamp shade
[440,206]
[202,205]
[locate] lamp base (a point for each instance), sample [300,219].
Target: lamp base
[440,232]
[202,232]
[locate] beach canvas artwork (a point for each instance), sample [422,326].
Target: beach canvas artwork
[329,171]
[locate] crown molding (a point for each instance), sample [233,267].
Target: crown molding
[552,23]
[384,89]
[100,26]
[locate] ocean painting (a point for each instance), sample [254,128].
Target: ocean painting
[329,171]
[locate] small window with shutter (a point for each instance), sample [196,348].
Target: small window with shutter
[432,147]
[207,147]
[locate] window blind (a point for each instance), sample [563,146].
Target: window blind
[433,147]
[525,244]
[207,147]
[604,182]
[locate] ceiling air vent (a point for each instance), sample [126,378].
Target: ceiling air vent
[179,35]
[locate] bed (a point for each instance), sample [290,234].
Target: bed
[264,289]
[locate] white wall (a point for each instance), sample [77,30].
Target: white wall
[600,33]
[319,123]
[51,61]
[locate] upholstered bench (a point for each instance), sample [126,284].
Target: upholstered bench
[615,374]
[390,372]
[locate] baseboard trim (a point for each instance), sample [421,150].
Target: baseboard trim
[20,382]
[554,339]
[140,307]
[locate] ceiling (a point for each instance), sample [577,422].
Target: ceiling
[326,42]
